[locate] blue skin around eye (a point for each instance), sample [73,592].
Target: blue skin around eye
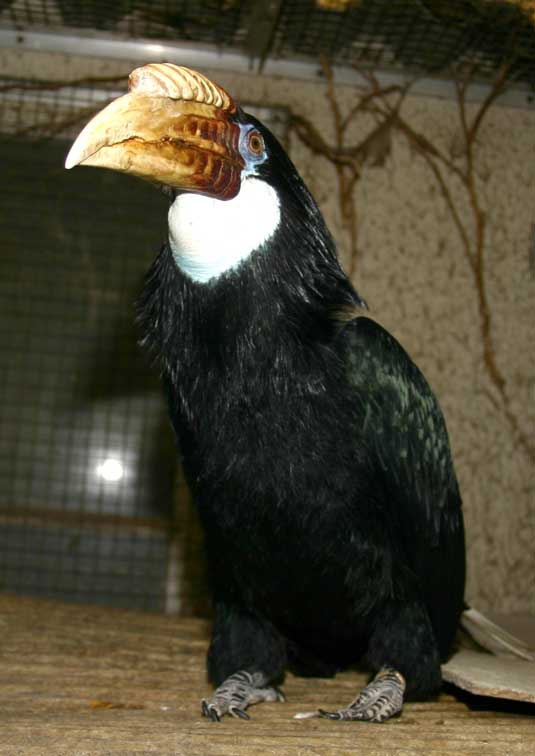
[251,161]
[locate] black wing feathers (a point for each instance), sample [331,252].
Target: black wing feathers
[404,431]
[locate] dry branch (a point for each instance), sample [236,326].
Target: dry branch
[348,162]
[473,249]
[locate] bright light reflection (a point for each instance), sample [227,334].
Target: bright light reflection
[155,49]
[111,470]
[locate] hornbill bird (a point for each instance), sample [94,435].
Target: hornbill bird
[316,452]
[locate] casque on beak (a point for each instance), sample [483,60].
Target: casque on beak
[174,127]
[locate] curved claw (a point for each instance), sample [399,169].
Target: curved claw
[210,712]
[329,714]
[236,693]
[380,700]
[239,713]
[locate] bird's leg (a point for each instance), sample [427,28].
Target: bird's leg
[246,657]
[236,693]
[403,648]
[380,700]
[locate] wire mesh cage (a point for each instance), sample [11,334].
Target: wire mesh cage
[211,21]
[414,35]
[88,467]
[423,36]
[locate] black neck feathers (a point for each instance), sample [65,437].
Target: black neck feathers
[279,300]
[271,317]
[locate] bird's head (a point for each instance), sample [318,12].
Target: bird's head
[230,181]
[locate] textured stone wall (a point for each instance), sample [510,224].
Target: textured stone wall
[412,271]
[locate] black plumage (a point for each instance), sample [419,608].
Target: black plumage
[315,450]
[317,455]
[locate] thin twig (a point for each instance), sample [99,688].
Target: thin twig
[310,136]
[474,252]
[489,354]
[335,109]
[498,88]
[421,142]
[363,103]
[446,194]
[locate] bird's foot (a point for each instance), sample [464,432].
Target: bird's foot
[380,700]
[236,693]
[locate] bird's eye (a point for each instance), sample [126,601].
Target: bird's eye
[255,143]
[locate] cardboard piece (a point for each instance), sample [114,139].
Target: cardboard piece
[487,675]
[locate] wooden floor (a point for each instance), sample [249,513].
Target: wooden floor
[78,680]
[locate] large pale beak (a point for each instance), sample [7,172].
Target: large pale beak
[174,128]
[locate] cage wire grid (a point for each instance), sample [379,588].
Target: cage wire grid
[422,36]
[91,497]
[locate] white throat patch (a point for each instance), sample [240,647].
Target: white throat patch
[210,236]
